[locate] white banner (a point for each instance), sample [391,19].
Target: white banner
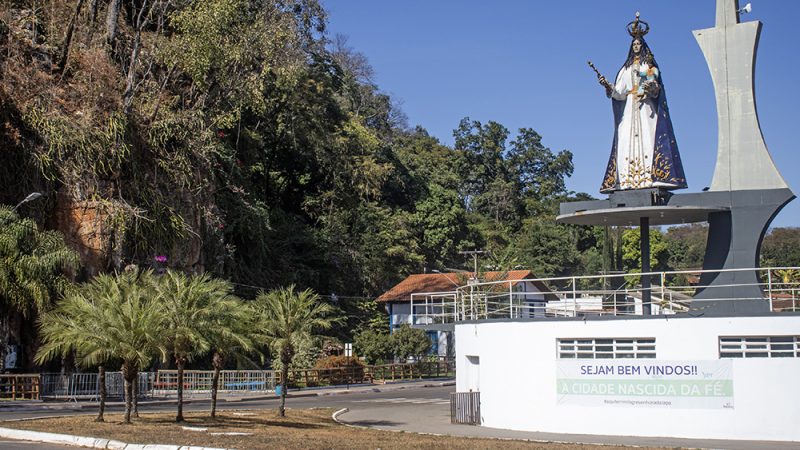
[646,383]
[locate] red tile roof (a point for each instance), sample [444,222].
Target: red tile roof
[443,282]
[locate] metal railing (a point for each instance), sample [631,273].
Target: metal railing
[591,295]
[199,382]
[85,386]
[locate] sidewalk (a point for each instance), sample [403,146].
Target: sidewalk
[435,419]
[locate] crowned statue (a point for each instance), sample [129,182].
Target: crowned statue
[644,153]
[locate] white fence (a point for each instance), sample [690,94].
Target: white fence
[618,294]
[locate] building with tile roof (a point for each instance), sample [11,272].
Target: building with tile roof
[438,290]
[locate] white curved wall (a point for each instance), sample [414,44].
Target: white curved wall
[518,378]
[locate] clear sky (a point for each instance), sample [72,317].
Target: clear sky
[522,63]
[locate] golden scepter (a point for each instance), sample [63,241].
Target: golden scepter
[603,81]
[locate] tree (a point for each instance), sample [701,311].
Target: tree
[374,345]
[234,333]
[198,312]
[111,317]
[547,248]
[75,326]
[631,253]
[540,173]
[34,270]
[409,342]
[781,248]
[686,246]
[287,318]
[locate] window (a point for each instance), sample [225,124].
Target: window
[607,348]
[759,347]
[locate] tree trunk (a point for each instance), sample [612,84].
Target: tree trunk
[112,18]
[284,384]
[101,381]
[181,363]
[62,61]
[126,375]
[286,359]
[217,361]
[136,396]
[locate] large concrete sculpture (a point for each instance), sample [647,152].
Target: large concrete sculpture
[746,192]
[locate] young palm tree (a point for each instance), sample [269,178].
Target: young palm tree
[74,326]
[287,318]
[233,335]
[199,312]
[110,317]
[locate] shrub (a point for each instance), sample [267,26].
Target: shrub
[340,369]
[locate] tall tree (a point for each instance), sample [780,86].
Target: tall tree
[35,268]
[288,318]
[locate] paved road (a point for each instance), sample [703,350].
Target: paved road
[413,408]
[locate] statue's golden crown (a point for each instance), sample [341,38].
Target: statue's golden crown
[638,28]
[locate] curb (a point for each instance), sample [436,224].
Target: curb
[83,441]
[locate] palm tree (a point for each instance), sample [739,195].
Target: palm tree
[288,318]
[74,326]
[112,316]
[33,269]
[233,334]
[199,313]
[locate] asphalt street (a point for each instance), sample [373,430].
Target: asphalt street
[411,408]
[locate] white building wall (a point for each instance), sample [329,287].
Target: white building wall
[518,363]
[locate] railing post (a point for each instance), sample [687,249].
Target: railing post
[574,297]
[663,290]
[769,287]
[510,301]
[411,316]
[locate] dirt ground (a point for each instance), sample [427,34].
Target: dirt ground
[264,429]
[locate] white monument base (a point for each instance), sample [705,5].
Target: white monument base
[681,382]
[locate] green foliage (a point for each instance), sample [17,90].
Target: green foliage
[374,345]
[407,342]
[288,319]
[199,313]
[781,248]
[631,253]
[35,266]
[547,248]
[686,246]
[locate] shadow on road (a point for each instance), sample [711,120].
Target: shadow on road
[375,423]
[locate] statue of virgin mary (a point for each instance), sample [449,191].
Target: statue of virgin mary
[644,153]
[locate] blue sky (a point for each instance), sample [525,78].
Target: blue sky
[523,64]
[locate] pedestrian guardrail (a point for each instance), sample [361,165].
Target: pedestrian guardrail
[85,386]
[199,382]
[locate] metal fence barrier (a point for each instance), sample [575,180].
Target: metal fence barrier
[199,382]
[85,386]
[465,408]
